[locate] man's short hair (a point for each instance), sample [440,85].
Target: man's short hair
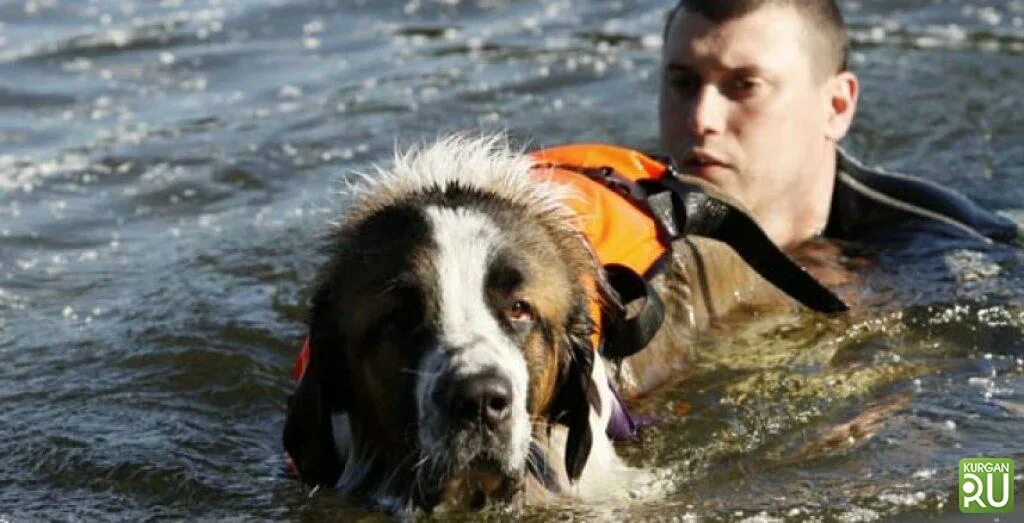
[822,17]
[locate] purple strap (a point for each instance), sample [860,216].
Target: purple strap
[624,426]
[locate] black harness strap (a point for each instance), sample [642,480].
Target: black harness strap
[641,316]
[682,208]
[695,212]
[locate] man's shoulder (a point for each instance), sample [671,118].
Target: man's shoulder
[869,202]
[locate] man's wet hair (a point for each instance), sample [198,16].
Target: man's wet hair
[822,17]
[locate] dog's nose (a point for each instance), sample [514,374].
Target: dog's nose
[483,398]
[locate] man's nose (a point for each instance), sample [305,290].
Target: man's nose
[707,111]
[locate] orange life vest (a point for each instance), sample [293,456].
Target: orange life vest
[618,230]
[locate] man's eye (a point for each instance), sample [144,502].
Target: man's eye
[744,87]
[684,82]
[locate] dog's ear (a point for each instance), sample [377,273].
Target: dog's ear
[580,438]
[577,394]
[308,432]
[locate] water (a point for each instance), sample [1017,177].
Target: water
[166,168]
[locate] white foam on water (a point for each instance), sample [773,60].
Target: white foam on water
[858,515]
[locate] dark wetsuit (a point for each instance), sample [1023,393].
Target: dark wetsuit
[872,206]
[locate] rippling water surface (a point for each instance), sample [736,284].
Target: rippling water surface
[166,168]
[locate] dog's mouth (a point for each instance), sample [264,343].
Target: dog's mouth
[468,475]
[482,481]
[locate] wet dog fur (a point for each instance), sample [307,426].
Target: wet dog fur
[451,356]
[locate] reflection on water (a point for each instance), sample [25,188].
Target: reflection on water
[167,167]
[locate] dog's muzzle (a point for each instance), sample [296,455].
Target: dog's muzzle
[471,417]
[474,428]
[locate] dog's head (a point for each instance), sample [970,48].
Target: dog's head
[449,329]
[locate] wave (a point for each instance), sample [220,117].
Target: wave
[951,36]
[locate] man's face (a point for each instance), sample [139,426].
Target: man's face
[742,107]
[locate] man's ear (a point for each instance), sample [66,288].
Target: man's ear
[308,431]
[841,92]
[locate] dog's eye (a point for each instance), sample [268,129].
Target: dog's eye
[519,311]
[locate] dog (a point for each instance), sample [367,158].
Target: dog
[453,348]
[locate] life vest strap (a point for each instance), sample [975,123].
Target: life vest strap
[685,209]
[627,333]
[680,208]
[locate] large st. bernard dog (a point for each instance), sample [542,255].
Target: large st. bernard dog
[451,355]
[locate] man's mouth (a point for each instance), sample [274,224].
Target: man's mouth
[698,160]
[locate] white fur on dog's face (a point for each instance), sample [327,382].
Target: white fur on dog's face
[470,340]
